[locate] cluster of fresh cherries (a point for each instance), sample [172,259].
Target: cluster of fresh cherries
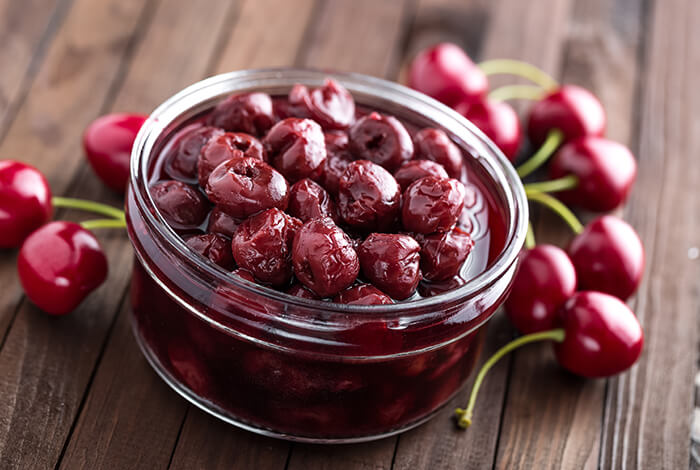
[595,334]
[315,199]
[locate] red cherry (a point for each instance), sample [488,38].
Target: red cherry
[602,337]
[381,139]
[416,169]
[308,200]
[59,265]
[608,256]
[391,261]
[222,223]
[571,109]
[251,113]
[546,278]
[447,74]
[331,105]
[223,147]
[213,247]
[25,202]
[296,148]
[498,121]
[338,159]
[362,294]
[434,144]
[107,142]
[181,205]
[443,253]
[181,161]
[605,171]
[299,290]
[432,204]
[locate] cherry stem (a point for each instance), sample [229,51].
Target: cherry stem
[550,145]
[557,206]
[521,69]
[89,206]
[554,186]
[464,416]
[530,237]
[516,92]
[103,223]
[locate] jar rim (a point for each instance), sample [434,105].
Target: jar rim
[489,157]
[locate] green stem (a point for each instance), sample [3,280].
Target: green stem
[464,416]
[89,206]
[554,186]
[516,92]
[103,223]
[530,237]
[550,145]
[557,206]
[521,69]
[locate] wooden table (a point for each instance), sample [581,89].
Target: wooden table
[75,392]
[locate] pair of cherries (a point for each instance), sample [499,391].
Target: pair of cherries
[60,262]
[593,332]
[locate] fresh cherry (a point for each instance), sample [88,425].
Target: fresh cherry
[608,256]
[221,148]
[605,172]
[251,113]
[434,144]
[362,294]
[107,142]
[181,204]
[369,198]
[571,109]
[214,247]
[546,278]
[59,265]
[297,148]
[391,262]
[416,169]
[25,202]
[447,74]
[381,139]
[242,187]
[181,161]
[331,105]
[602,336]
[323,257]
[432,204]
[498,120]
[263,245]
[443,253]
[222,223]
[308,200]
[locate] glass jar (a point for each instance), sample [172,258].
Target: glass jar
[302,369]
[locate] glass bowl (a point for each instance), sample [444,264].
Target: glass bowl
[301,369]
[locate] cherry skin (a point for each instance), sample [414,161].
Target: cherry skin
[242,187]
[381,139]
[602,335]
[263,245]
[369,198]
[215,248]
[362,294]
[296,148]
[443,253]
[498,121]
[308,200]
[432,204]
[391,262]
[59,265]
[571,109]
[446,73]
[434,144]
[182,206]
[608,256]
[107,142]
[251,113]
[546,278]
[331,105]
[224,147]
[181,162]
[323,257]
[606,171]
[25,202]
[416,169]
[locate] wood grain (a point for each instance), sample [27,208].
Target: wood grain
[647,422]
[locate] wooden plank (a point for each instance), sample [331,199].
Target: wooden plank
[40,354]
[552,419]
[647,423]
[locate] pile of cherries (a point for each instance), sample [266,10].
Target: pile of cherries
[315,201]
[575,297]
